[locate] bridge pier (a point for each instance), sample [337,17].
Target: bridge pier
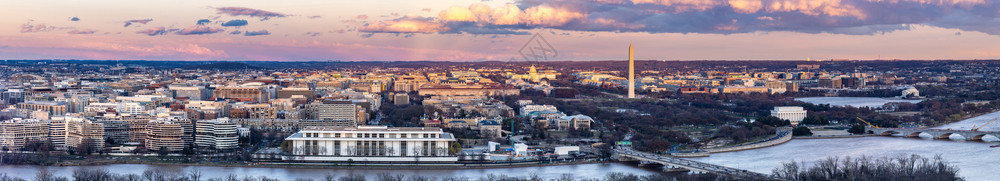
[969,135]
[675,170]
[941,136]
[650,164]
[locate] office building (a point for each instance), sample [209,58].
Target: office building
[576,122]
[191,92]
[334,110]
[67,132]
[292,91]
[12,96]
[15,133]
[52,107]
[245,94]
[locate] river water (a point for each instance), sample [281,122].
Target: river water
[975,160]
[595,170]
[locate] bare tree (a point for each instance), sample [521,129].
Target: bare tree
[194,175]
[565,177]
[44,175]
[329,177]
[418,178]
[865,168]
[352,177]
[388,177]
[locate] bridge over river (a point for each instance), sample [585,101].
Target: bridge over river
[674,163]
[969,135]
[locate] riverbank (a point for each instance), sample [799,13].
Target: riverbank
[967,156]
[783,135]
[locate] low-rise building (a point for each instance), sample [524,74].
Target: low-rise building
[490,128]
[577,122]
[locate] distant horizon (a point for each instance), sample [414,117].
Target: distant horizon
[488,61]
[500,30]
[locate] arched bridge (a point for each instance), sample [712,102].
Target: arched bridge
[627,154]
[935,133]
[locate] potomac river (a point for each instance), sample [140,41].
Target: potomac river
[975,160]
[580,171]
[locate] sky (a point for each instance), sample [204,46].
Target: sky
[498,30]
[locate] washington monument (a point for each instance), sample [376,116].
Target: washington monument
[631,73]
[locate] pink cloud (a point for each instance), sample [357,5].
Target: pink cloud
[241,11]
[82,32]
[852,17]
[404,25]
[109,47]
[140,21]
[32,28]
[198,30]
[153,31]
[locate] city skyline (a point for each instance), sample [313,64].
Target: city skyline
[496,30]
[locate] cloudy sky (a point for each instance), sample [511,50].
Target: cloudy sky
[477,30]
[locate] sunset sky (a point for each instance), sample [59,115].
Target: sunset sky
[478,30]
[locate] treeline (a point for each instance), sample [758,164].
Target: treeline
[899,168]
[195,175]
[745,131]
[404,115]
[651,119]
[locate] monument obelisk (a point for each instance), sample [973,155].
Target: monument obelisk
[631,73]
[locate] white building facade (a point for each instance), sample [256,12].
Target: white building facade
[371,144]
[794,114]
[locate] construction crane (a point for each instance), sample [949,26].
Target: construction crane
[866,122]
[976,128]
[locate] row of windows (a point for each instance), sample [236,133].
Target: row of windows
[371,148]
[368,135]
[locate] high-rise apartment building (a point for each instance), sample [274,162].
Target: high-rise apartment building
[216,134]
[166,134]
